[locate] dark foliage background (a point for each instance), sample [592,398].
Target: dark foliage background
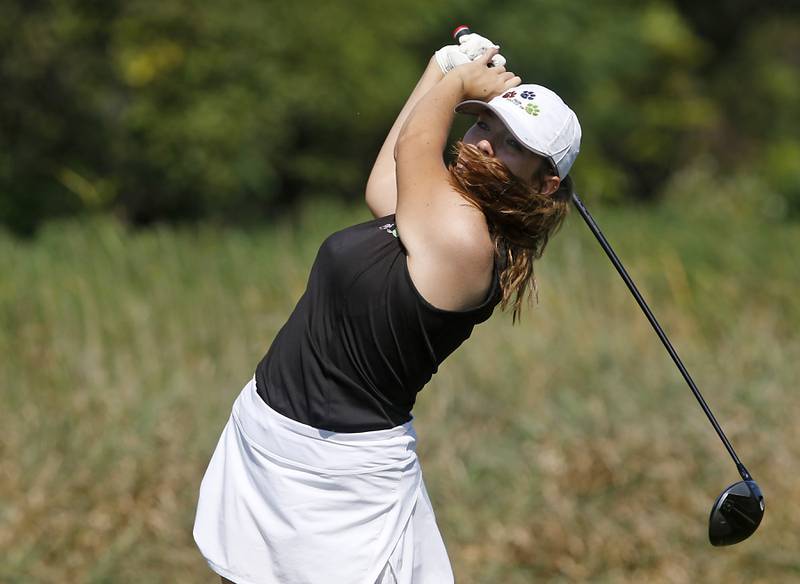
[235,110]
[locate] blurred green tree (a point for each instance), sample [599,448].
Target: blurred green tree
[163,110]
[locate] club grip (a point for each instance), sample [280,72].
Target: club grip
[460,31]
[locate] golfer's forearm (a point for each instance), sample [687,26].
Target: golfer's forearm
[381,192]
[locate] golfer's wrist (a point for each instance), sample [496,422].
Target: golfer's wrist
[433,70]
[455,81]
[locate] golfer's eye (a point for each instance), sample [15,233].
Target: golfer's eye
[514,144]
[482,125]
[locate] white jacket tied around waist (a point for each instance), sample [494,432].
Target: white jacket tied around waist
[282,502]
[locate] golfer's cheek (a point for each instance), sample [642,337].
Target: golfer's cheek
[470,137]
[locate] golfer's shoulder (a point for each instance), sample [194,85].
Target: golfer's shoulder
[452,265]
[456,233]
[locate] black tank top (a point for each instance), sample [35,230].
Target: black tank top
[361,341]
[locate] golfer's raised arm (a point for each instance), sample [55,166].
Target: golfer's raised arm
[426,201]
[381,192]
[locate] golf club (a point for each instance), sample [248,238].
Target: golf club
[738,510]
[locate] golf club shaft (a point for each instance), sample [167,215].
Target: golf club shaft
[456,34]
[661,335]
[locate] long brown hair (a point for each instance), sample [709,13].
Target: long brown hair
[521,219]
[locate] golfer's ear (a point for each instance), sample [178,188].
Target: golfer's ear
[550,185]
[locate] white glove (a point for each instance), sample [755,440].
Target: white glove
[474,45]
[470,47]
[450,57]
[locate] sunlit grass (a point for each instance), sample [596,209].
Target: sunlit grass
[563,449]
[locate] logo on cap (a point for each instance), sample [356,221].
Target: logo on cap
[528,108]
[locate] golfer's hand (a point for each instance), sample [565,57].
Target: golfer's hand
[479,81]
[471,47]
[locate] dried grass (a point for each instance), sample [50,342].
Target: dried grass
[566,449]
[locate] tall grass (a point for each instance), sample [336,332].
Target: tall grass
[564,449]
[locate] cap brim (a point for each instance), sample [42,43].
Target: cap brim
[473,107]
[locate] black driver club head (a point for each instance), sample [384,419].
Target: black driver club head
[736,513]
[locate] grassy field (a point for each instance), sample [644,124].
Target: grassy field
[564,449]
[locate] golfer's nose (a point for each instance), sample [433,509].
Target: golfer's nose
[486,147]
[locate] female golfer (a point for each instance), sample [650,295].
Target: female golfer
[315,477]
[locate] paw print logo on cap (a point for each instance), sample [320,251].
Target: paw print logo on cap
[509,94]
[528,95]
[532,109]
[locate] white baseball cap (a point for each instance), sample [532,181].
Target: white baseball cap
[539,119]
